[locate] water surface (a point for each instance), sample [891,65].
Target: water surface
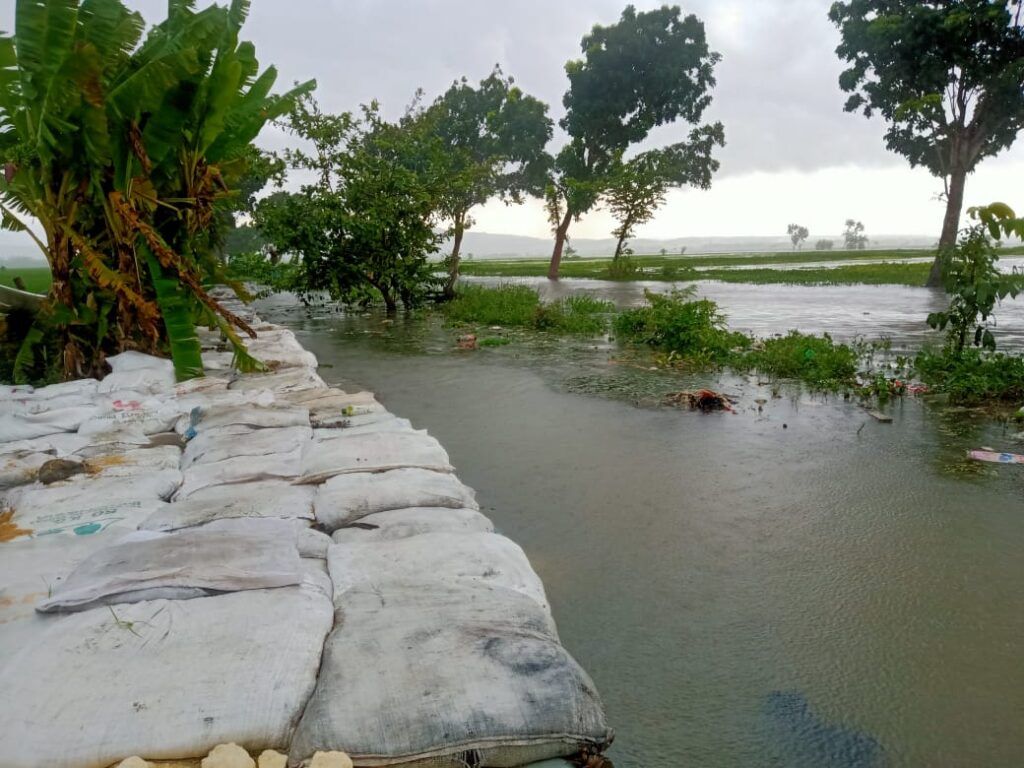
[799,587]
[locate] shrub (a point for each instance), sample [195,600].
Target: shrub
[815,360]
[520,306]
[973,376]
[694,329]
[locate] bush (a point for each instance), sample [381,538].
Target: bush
[694,329]
[260,270]
[973,377]
[815,360]
[520,306]
[622,268]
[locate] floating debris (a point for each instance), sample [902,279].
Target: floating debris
[467,342]
[701,399]
[994,457]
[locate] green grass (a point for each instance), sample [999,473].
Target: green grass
[815,360]
[974,377]
[518,306]
[892,268]
[37,279]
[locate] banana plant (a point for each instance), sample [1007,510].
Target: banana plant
[123,145]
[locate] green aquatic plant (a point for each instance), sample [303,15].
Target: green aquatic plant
[815,360]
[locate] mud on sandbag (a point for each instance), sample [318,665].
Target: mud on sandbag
[250,554]
[403,523]
[372,453]
[349,497]
[266,499]
[168,679]
[487,680]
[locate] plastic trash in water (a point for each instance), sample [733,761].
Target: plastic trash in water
[995,457]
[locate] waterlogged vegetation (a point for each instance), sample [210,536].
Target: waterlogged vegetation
[516,306]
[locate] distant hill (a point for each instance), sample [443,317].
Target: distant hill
[484,245]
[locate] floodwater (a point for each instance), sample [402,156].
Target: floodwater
[801,587]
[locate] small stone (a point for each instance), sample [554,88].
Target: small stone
[331,760]
[134,762]
[228,756]
[271,759]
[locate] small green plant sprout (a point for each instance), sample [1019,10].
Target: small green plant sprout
[122,624]
[971,276]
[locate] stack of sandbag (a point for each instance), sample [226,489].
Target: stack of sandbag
[443,652]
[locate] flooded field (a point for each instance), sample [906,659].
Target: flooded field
[799,587]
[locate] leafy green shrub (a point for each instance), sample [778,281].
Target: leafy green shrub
[693,329]
[508,305]
[973,376]
[816,360]
[622,268]
[520,306]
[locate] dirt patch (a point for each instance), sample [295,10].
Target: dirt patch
[9,529]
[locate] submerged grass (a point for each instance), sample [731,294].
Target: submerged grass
[973,377]
[518,306]
[815,360]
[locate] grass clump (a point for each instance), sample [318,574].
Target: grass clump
[815,360]
[973,377]
[518,306]
[692,329]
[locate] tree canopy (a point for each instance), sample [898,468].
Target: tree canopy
[948,77]
[650,68]
[494,137]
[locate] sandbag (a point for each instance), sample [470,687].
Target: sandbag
[136,372]
[253,416]
[150,415]
[433,561]
[287,380]
[21,468]
[242,469]
[349,497]
[385,422]
[403,523]
[164,678]
[462,676]
[84,506]
[32,425]
[270,499]
[212,445]
[130,463]
[372,453]
[278,349]
[131,361]
[251,554]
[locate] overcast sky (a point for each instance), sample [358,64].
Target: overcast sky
[792,154]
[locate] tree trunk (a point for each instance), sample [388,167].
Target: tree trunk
[556,255]
[618,247]
[454,260]
[951,224]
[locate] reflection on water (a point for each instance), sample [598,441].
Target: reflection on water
[699,564]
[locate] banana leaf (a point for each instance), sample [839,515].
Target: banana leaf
[186,351]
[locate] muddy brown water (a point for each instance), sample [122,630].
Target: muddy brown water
[800,587]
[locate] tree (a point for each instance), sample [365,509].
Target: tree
[854,238]
[649,69]
[948,77]
[364,229]
[637,188]
[494,136]
[797,234]
[125,150]
[823,245]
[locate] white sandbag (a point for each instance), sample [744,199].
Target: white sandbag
[388,423]
[375,452]
[349,497]
[226,443]
[269,499]
[32,425]
[197,404]
[254,416]
[21,468]
[60,444]
[138,373]
[243,469]
[278,348]
[131,463]
[218,362]
[287,380]
[28,404]
[251,554]
[403,523]
[310,542]
[434,560]
[84,388]
[201,385]
[167,679]
[454,676]
[116,440]
[131,361]
[150,415]
[84,506]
